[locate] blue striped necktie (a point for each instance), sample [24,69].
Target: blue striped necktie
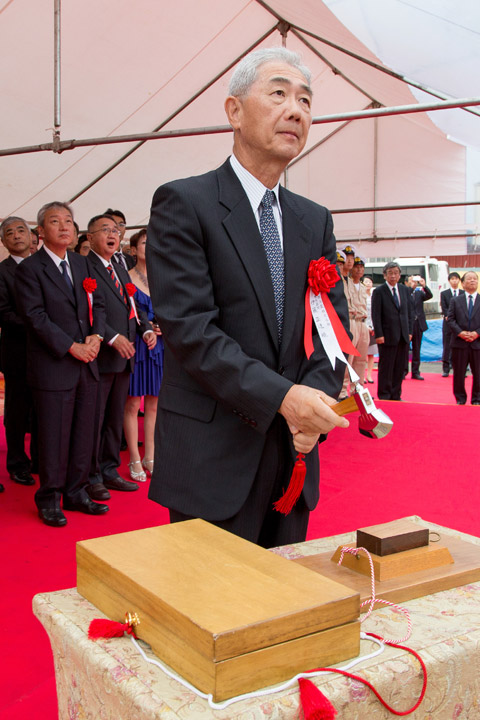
[470,310]
[273,250]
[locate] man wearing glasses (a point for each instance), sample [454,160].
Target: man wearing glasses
[116,356]
[126,261]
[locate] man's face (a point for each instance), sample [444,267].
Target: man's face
[454,282]
[103,237]
[121,227]
[392,276]
[470,284]
[348,265]
[58,230]
[272,121]
[17,239]
[357,272]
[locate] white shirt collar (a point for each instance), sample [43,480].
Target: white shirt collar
[18,259]
[106,263]
[57,260]
[254,189]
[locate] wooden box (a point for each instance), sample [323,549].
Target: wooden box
[227,615]
[392,537]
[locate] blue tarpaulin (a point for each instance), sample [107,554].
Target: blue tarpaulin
[432,341]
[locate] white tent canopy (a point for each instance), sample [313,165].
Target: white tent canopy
[131,68]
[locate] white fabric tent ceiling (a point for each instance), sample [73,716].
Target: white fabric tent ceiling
[126,67]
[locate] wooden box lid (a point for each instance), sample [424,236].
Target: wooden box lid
[222,594]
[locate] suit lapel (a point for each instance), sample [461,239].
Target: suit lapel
[297,241]
[55,275]
[104,275]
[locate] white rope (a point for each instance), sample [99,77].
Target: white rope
[257,693]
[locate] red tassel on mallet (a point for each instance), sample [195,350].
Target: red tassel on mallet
[287,502]
[315,705]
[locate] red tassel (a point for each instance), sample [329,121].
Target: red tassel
[286,503]
[107,629]
[315,705]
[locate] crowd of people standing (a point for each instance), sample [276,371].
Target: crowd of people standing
[79,349]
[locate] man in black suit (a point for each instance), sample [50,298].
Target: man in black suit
[464,322]
[116,356]
[420,293]
[228,255]
[64,329]
[445,300]
[392,318]
[18,410]
[126,261]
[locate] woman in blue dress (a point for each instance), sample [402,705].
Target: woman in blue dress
[147,375]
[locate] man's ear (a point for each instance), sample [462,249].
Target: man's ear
[233,110]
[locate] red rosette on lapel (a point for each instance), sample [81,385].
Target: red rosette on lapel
[131,290]
[322,277]
[90,285]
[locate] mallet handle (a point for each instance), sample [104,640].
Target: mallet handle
[345,406]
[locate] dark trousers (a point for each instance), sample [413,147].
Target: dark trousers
[19,419]
[461,357]
[417,335]
[257,520]
[392,360]
[112,395]
[447,350]
[65,440]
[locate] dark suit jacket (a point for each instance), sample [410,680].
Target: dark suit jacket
[392,323]
[13,340]
[224,374]
[445,300]
[420,296]
[458,321]
[117,316]
[54,321]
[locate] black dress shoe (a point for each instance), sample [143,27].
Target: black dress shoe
[86,506]
[98,491]
[475,402]
[52,516]
[417,377]
[118,483]
[22,478]
[444,374]
[461,402]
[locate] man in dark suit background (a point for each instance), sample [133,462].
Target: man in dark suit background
[445,299]
[126,261]
[18,411]
[464,322]
[420,293]
[63,340]
[392,318]
[228,254]
[116,356]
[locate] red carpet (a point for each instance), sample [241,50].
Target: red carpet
[426,466]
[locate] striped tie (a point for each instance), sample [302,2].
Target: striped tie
[117,284]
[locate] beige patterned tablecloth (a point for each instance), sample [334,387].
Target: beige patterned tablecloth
[109,680]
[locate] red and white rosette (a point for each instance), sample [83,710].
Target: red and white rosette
[90,285]
[131,290]
[322,276]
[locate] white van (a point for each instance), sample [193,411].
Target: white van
[434,271]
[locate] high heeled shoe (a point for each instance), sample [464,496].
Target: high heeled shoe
[148,465]
[137,474]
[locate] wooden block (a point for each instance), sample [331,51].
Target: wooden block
[227,615]
[464,569]
[392,537]
[392,566]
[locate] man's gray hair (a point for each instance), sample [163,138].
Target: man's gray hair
[245,73]
[390,265]
[8,221]
[49,206]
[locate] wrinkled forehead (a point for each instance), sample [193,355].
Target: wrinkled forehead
[13,224]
